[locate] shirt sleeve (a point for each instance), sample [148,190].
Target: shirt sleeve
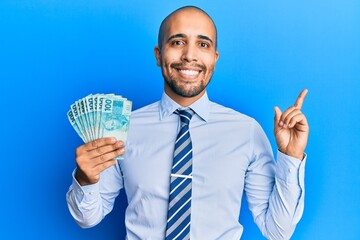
[91,203]
[274,189]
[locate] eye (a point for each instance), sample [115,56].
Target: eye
[177,43]
[204,45]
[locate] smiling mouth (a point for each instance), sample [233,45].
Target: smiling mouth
[189,72]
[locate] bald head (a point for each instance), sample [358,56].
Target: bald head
[165,22]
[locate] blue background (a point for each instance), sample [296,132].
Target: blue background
[55,52]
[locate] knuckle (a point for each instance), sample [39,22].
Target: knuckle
[99,151]
[115,146]
[102,158]
[80,149]
[77,151]
[94,143]
[78,159]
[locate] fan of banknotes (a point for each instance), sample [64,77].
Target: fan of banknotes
[100,115]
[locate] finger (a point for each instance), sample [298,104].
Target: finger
[105,149]
[299,121]
[300,100]
[285,114]
[99,143]
[93,175]
[290,115]
[108,156]
[101,167]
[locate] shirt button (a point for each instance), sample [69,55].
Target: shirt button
[81,192]
[290,170]
[91,193]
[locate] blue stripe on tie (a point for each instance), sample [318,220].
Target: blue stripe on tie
[177,183]
[176,191]
[179,208]
[180,161]
[183,153]
[182,137]
[184,169]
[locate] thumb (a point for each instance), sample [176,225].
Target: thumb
[277,117]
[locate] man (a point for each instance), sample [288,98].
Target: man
[227,153]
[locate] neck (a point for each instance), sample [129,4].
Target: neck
[183,101]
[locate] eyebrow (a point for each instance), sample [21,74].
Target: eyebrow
[181,35]
[205,38]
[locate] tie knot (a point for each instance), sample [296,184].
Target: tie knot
[185,115]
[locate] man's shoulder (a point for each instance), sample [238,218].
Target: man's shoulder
[151,108]
[220,111]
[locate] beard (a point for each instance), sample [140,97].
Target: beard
[181,88]
[184,91]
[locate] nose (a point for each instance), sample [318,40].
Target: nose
[189,53]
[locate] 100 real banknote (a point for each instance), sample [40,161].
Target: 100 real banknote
[101,115]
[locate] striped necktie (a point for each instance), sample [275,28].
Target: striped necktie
[178,221]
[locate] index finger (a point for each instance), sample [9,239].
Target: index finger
[99,143]
[300,100]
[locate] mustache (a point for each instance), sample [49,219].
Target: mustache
[184,65]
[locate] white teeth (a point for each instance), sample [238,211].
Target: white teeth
[189,72]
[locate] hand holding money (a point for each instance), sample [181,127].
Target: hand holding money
[102,122]
[94,157]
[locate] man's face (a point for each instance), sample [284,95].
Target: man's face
[188,54]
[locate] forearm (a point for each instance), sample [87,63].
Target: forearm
[85,204]
[91,203]
[286,201]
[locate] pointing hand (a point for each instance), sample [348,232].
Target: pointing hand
[291,128]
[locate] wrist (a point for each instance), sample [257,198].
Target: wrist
[81,178]
[299,156]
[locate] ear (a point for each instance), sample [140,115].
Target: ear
[157,55]
[217,55]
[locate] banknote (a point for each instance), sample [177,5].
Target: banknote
[115,117]
[89,111]
[100,115]
[72,120]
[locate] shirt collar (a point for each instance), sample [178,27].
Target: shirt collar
[201,107]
